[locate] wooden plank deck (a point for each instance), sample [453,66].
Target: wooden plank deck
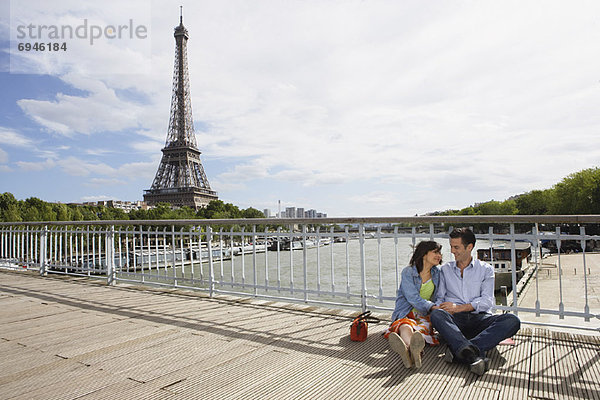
[71,338]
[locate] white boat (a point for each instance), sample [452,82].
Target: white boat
[248,248]
[499,257]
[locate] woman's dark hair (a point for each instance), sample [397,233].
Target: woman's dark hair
[420,251]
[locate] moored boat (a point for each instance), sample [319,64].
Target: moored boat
[499,257]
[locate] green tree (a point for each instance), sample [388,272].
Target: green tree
[89,213]
[63,213]
[76,214]
[112,214]
[488,208]
[536,202]
[252,213]
[217,209]
[11,214]
[34,209]
[184,213]
[9,208]
[31,214]
[161,211]
[578,193]
[467,211]
[7,199]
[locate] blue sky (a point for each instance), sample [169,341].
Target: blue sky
[354,108]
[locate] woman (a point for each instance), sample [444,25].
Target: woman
[411,328]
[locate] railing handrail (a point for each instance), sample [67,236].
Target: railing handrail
[128,251]
[446,219]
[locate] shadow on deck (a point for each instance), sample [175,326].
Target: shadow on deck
[73,338]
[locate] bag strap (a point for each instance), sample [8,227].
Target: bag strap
[362,316]
[366,316]
[372,320]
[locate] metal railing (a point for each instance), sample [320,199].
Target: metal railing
[335,262]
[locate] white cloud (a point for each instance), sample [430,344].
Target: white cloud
[96,198]
[77,167]
[101,111]
[98,152]
[143,170]
[3,157]
[222,186]
[13,138]
[147,146]
[74,22]
[105,182]
[376,198]
[36,165]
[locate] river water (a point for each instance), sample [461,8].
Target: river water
[332,271]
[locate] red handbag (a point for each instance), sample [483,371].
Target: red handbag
[360,326]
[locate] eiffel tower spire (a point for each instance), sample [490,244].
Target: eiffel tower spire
[180,179]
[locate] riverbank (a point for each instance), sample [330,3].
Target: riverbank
[550,292]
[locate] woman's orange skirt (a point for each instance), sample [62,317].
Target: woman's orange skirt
[419,323]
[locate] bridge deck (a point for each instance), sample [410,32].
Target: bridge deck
[73,338]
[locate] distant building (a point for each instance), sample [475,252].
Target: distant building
[267,213]
[300,212]
[126,206]
[290,212]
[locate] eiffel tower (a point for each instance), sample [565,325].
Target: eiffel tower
[180,179]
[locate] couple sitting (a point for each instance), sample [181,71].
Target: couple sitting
[455,299]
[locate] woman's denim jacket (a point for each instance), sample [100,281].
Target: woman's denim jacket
[408,296]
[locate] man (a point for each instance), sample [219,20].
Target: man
[463,314]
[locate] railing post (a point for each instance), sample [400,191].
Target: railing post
[513,262]
[586,308]
[291,258]
[111,274]
[254,269]
[211,272]
[347,261]
[379,262]
[304,263]
[242,239]
[363,271]
[173,258]
[43,251]
[538,249]
[561,305]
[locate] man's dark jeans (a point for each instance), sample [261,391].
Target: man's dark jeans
[482,330]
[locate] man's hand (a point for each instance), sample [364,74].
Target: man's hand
[455,308]
[448,306]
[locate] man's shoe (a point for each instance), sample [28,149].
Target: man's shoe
[398,345]
[478,367]
[468,354]
[448,356]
